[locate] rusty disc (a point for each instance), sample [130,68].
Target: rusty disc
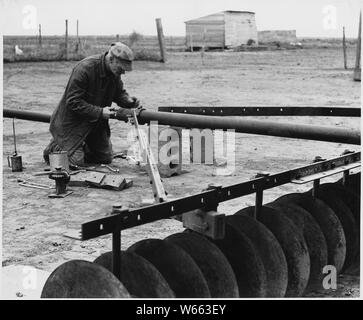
[83,279]
[269,250]
[245,260]
[214,265]
[176,266]
[139,276]
[328,223]
[293,245]
[314,239]
[347,220]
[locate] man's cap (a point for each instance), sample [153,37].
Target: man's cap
[123,53]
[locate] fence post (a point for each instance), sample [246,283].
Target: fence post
[66,41]
[40,35]
[78,44]
[357,69]
[344,50]
[159,28]
[203,45]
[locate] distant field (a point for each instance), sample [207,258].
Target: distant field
[147,48]
[53,47]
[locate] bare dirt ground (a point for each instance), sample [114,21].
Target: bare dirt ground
[33,224]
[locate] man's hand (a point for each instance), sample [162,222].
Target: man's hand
[135,102]
[130,102]
[137,112]
[107,112]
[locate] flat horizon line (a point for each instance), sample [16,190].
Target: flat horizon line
[150,36]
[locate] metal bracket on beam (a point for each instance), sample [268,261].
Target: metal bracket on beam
[259,193]
[207,221]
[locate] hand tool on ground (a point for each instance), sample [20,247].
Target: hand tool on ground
[110,168]
[123,155]
[16,162]
[80,169]
[42,173]
[30,184]
[159,192]
[76,172]
[46,172]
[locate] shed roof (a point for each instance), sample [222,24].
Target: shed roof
[229,11]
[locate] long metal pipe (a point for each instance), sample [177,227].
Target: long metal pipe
[26,115]
[260,127]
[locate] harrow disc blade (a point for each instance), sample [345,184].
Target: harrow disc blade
[350,199]
[293,245]
[83,279]
[176,266]
[214,265]
[269,250]
[328,223]
[314,239]
[245,260]
[347,220]
[139,276]
[353,183]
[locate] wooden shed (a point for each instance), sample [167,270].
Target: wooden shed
[221,30]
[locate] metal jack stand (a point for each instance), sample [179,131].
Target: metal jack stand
[61,178]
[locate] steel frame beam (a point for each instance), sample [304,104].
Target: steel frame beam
[257,111]
[208,199]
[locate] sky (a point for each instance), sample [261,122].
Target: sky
[310,18]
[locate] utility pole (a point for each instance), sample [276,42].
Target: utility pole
[40,35]
[357,69]
[159,28]
[344,50]
[66,41]
[78,45]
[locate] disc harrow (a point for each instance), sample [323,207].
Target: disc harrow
[277,249]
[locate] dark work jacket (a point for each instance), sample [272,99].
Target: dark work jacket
[90,88]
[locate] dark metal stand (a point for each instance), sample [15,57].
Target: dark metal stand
[116,254]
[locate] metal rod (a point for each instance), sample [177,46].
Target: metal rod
[15,151]
[259,127]
[116,253]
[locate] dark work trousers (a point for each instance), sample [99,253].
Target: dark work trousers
[96,148]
